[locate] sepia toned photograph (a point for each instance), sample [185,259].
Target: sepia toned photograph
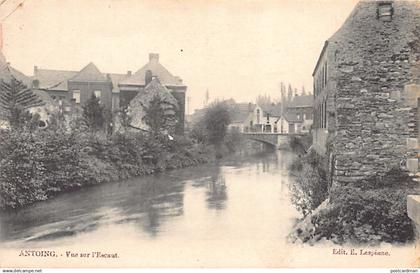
[209,134]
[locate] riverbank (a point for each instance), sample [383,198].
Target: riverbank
[365,212]
[38,165]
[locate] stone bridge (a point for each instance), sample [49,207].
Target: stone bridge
[275,140]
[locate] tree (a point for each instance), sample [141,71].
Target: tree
[216,120]
[160,115]
[124,117]
[94,113]
[264,100]
[15,101]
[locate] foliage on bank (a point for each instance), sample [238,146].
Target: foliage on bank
[368,211]
[309,187]
[212,130]
[37,165]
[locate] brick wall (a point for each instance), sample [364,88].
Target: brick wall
[88,88]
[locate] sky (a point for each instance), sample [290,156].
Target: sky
[234,49]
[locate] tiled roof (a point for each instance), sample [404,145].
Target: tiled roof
[20,76]
[165,77]
[53,79]
[301,101]
[6,71]
[240,111]
[116,79]
[273,110]
[89,73]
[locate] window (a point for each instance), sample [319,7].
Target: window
[76,96]
[385,11]
[97,94]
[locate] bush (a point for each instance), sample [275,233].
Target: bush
[309,188]
[368,213]
[37,165]
[300,144]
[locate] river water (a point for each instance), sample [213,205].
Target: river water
[236,213]
[234,207]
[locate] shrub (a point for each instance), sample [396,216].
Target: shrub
[309,188]
[37,165]
[368,213]
[300,144]
[233,140]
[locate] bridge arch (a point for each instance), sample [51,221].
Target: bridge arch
[276,140]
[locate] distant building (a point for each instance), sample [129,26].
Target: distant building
[366,86]
[131,86]
[74,88]
[250,117]
[240,115]
[297,111]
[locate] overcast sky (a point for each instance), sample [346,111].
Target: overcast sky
[234,48]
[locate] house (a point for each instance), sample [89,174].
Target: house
[299,111]
[241,115]
[132,85]
[250,117]
[290,123]
[115,90]
[141,101]
[366,86]
[76,87]
[271,117]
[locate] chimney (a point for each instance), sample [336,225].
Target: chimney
[249,107]
[154,57]
[35,70]
[129,73]
[148,77]
[35,84]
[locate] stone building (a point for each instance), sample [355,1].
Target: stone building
[136,83]
[142,100]
[366,85]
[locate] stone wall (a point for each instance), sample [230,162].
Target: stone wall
[370,64]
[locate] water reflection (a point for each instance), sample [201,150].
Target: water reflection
[216,193]
[157,205]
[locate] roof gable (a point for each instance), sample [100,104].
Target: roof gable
[158,70]
[20,76]
[89,73]
[241,111]
[7,72]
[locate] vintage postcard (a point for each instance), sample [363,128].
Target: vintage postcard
[198,133]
